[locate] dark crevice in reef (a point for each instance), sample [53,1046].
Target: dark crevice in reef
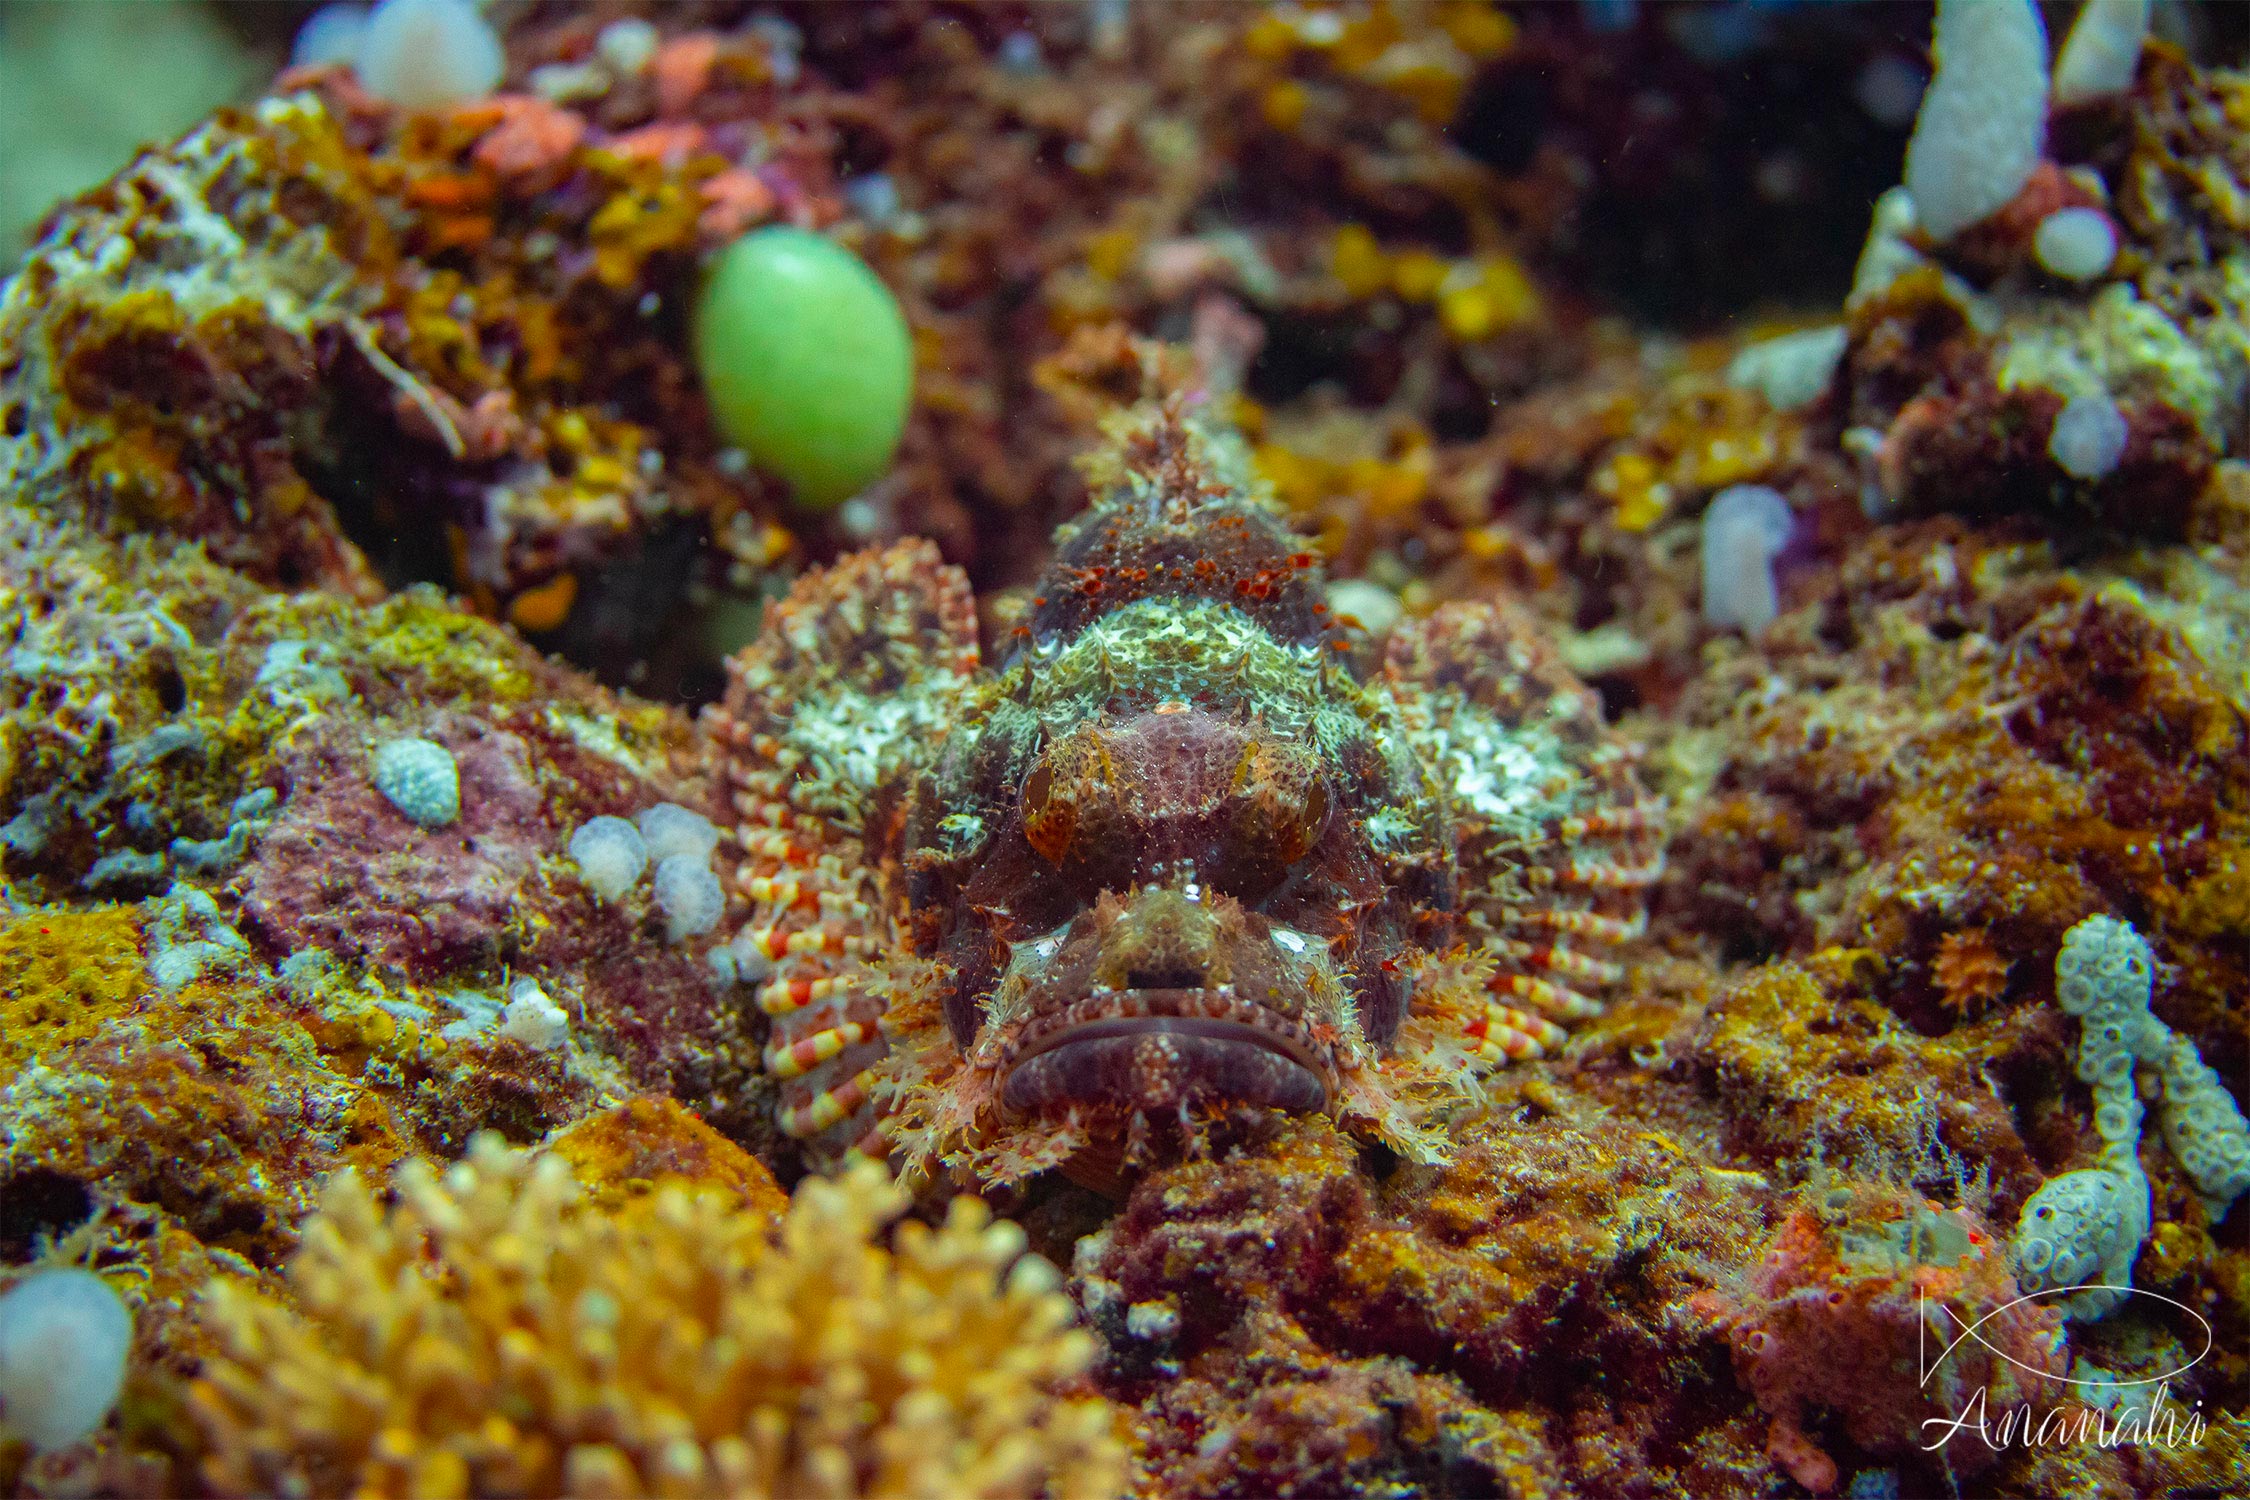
[393,494]
[1733,171]
[37,1204]
[1303,352]
[638,623]
[641,616]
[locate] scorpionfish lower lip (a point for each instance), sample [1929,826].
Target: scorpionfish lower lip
[1162,1059]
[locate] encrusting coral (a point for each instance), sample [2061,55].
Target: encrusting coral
[498,1332]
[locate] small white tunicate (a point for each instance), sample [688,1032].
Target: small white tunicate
[627,45]
[421,779]
[689,896]
[873,198]
[330,35]
[1890,88]
[1745,528]
[428,54]
[1020,54]
[610,856]
[1154,1321]
[2077,244]
[533,1019]
[569,83]
[859,518]
[2089,437]
[64,1335]
[1791,370]
[785,47]
[670,829]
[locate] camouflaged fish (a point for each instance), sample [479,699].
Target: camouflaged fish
[1174,861]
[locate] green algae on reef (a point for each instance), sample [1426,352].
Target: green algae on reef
[806,360]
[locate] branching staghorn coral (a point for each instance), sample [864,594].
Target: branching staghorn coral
[495,1332]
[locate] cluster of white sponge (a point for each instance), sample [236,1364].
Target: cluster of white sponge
[2084,1228]
[611,854]
[1984,120]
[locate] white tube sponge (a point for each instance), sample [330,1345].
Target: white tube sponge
[64,1336]
[1791,370]
[1984,118]
[2102,50]
[428,54]
[1744,529]
[1888,253]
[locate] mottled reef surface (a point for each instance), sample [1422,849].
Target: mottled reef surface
[425,1167]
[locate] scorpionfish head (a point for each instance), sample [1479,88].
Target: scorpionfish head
[1173,861]
[1172,906]
[1178,835]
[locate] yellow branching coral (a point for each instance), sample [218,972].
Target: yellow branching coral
[496,1332]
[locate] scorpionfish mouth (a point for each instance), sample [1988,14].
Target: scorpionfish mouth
[1169,997]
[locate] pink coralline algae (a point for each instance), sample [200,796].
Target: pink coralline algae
[344,870]
[1883,1311]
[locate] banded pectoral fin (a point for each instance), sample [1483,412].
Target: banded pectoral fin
[859,671]
[1406,1095]
[1555,842]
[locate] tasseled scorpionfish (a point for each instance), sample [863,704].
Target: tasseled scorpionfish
[1175,861]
